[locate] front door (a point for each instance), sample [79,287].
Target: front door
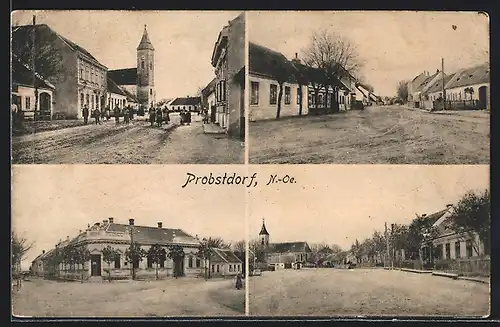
[482,97]
[95,265]
[213,112]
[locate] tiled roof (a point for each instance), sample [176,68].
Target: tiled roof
[225,256]
[289,247]
[153,235]
[22,74]
[425,82]
[127,76]
[130,97]
[263,61]
[43,29]
[438,85]
[470,76]
[113,88]
[190,101]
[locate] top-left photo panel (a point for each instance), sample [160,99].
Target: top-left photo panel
[128,87]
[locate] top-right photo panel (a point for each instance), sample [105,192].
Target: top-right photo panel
[356,87]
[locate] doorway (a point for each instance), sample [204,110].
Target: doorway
[95,265]
[483,99]
[179,267]
[213,112]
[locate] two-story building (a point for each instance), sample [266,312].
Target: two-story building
[208,100]
[80,78]
[228,60]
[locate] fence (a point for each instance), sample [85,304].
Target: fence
[470,267]
[459,105]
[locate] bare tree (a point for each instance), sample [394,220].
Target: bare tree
[335,57]
[20,247]
[239,246]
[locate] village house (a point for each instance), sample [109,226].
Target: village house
[81,78]
[208,101]
[228,60]
[284,255]
[471,84]
[139,82]
[23,92]
[119,236]
[188,103]
[417,98]
[115,96]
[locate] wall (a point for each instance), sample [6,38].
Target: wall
[458,93]
[28,92]
[113,97]
[90,85]
[454,238]
[235,63]
[264,110]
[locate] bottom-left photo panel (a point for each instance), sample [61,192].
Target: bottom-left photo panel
[126,241]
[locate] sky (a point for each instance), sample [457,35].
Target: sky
[392,45]
[52,202]
[338,204]
[183,41]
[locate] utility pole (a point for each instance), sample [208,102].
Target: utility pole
[387,244]
[442,83]
[131,227]
[33,68]
[393,252]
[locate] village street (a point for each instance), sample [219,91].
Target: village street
[346,292]
[171,297]
[377,135]
[137,143]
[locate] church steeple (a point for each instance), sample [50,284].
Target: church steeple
[145,43]
[264,235]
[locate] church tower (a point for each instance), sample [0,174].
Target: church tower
[264,235]
[146,93]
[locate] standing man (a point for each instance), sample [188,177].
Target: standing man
[116,113]
[97,116]
[15,113]
[152,116]
[85,114]
[126,115]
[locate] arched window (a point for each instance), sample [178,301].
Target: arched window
[150,91]
[151,65]
[142,64]
[88,99]
[82,99]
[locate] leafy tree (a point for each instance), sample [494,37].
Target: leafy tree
[357,250]
[19,248]
[176,253]
[157,254]
[109,255]
[471,217]
[402,91]
[205,251]
[134,255]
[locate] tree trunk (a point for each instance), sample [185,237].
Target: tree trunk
[316,98]
[280,95]
[109,272]
[157,270]
[300,100]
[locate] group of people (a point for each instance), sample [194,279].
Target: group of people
[100,115]
[158,115]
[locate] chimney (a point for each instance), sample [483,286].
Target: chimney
[160,225]
[43,251]
[98,224]
[131,221]
[449,205]
[424,215]
[111,219]
[105,221]
[79,231]
[67,238]
[437,71]
[296,55]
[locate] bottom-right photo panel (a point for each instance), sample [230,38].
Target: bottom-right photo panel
[369,240]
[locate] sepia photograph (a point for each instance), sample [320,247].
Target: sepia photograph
[87,242]
[128,87]
[377,87]
[397,241]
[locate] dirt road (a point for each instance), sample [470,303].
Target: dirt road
[343,292]
[377,135]
[137,143]
[171,297]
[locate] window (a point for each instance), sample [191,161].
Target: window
[273,94]
[150,91]
[320,100]
[151,65]
[468,248]
[198,263]
[88,99]
[448,251]
[142,64]
[439,251]
[239,267]
[82,99]
[223,90]
[457,250]
[218,268]
[190,262]
[288,95]
[81,72]
[213,268]
[299,91]
[28,103]
[189,108]
[254,97]
[117,261]
[230,268]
